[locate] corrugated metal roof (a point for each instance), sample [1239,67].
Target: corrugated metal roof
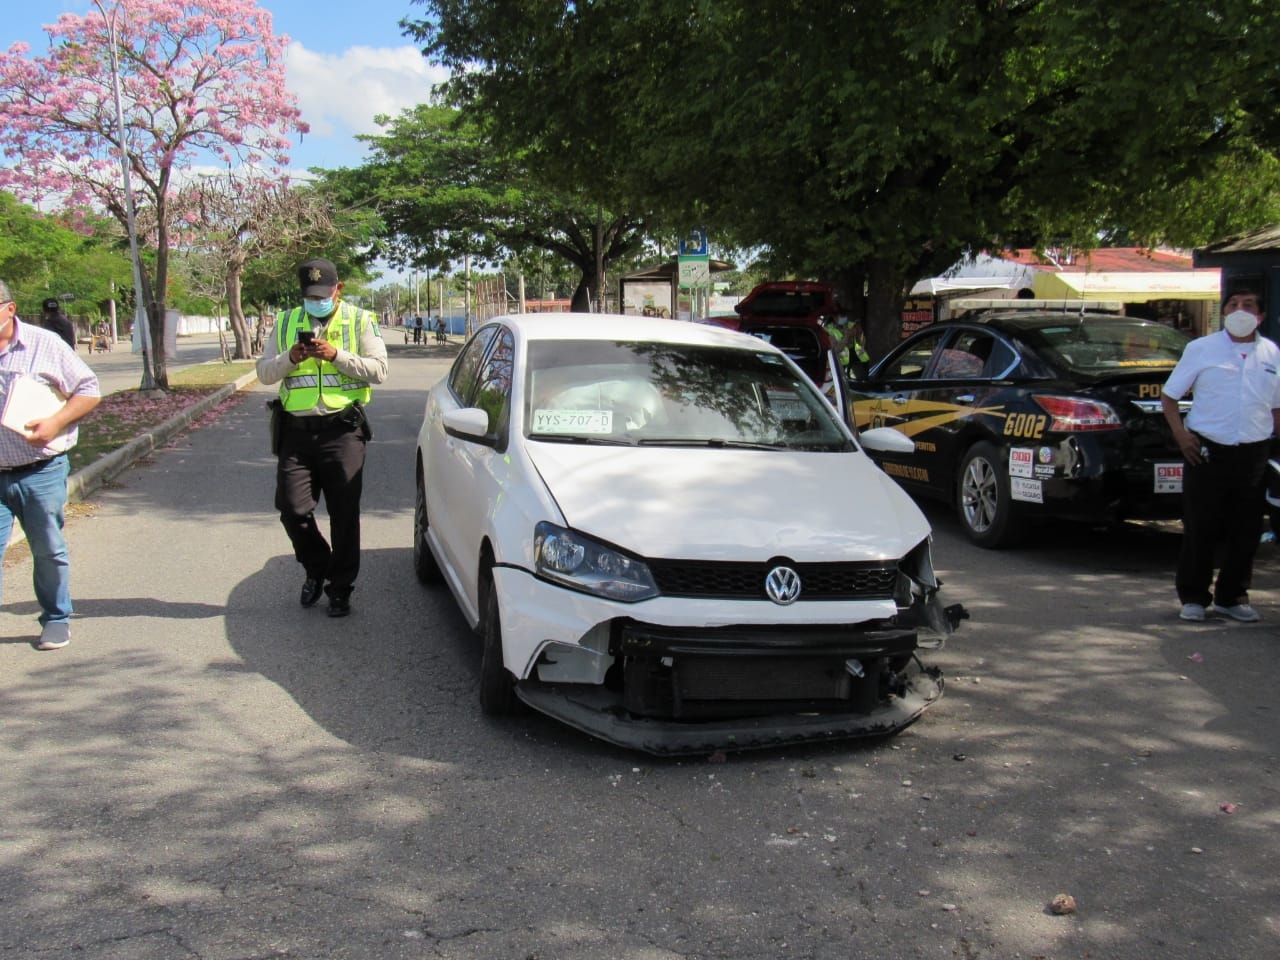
[1268,238]
[1104,260]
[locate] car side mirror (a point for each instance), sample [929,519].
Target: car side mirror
[886,440]
[469,422]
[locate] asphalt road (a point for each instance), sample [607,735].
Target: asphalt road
[211,771]
[121,369]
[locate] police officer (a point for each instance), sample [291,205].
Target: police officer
[1234,379]
[326,355]
[54,319]
[846,339]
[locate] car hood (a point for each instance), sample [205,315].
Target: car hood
[710,504]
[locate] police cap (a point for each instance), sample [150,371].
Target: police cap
[51,304]
[318,278]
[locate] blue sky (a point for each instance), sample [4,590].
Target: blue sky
[346,63]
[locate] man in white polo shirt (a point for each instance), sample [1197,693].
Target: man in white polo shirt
[1234,378]
[33,460]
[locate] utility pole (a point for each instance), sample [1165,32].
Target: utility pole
[466,291]
[140,308]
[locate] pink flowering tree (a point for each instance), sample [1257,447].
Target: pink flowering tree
[202,83]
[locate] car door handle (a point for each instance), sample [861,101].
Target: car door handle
[900,399]
[965,398]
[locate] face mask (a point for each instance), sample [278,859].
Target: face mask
[1241,323]
[318,308]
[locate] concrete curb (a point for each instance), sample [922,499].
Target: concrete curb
[83,482]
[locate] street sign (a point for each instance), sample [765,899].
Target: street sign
[694,244]
[695,271]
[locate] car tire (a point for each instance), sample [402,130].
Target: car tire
[497,685]
[424,561]
[983,501]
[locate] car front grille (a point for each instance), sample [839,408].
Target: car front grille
[746,581]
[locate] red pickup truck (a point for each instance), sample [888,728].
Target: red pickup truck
[790,314]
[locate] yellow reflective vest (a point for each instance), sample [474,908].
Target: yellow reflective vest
[316,382]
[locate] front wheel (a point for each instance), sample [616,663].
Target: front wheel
[424,562]
[497,685]
[983,500]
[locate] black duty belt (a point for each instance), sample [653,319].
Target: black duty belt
[317,424]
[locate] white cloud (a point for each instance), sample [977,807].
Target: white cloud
[340,94]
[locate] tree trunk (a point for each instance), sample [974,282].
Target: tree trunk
[581,302]
[851,292]
[883,324]
[235,312]
[158,362]
[155,327]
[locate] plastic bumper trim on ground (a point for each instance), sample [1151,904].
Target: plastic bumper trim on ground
[593,710]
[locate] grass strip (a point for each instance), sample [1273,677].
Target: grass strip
[127,414]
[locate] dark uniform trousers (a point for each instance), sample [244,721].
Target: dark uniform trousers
[1221,509]
[322,459]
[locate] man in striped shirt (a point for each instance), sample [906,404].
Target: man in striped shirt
[33,460]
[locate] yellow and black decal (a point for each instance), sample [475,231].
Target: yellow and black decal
[918,416]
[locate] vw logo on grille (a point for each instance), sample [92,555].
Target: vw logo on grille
[782,585]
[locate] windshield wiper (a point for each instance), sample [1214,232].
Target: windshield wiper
[586,439]
[709,442]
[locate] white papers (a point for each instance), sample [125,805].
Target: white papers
[28,399]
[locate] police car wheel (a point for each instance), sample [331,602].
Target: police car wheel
[424,562]
[982,498]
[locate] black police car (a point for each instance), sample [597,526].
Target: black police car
[1025,414]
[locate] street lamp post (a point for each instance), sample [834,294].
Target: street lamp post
[140,310]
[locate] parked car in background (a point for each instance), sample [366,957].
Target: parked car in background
[1022,415]
[790,314]
[648,522]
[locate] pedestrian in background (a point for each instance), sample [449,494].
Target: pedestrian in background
[1234,378]
[417,329]
[33,461]
[326,355]
[54,319]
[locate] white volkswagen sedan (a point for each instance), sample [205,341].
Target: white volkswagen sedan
[665,536]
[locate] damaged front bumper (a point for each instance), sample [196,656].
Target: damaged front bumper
[594,710]
[679,691]
[665,686]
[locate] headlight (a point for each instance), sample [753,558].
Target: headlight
[580,563]
[915,576]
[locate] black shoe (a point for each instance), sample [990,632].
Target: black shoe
[339,606]
[311,591]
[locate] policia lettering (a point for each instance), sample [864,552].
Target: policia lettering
[316,381]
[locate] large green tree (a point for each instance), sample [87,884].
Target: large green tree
[446,189]
[877,143]
[43,256]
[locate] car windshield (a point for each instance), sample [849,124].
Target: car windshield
[1109,345]
[664,394]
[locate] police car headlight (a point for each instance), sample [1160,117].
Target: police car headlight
[578,562]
